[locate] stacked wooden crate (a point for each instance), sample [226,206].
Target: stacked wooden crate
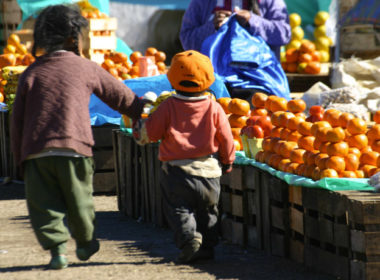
[99,38]
[104,177]
[10,18]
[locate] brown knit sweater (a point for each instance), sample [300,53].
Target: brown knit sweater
[51,109]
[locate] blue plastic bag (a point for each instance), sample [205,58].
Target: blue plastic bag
[245,61]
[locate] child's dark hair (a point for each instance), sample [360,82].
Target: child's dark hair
[58,27]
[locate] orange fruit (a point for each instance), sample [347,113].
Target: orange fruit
[297,155]
[259,156]
[329,173]
[274,160]
[276,132]
[293,136]
[317,144]
[310,158]
[337,149]
[309,171]
[275,118]
[344,118]
[266,145]
[304,128]
[368,170]
[376,117]
[332,116]
[359,141]
[291,167]
[376,146]
[336,163]
[313,67]
[237,120]
[277,146]
[160,56]
[239,106]
[369,157]
[306,142]
[355,151]
[284,134]
[335,134]
[374,132]
[151,51]
[161,66]
[279,104]
[236,131]
[296,105]
[347,174]
[307,47]
[258,99]
[321,133]
[292,123]
[224,101]
[316,175]
[318,125]
[13,39]
[284,117]
[286,148]
[305,57]
[352,162]
[1,97]
[356,126]
[282,164]
[320,160]
[134,57]
[300,169]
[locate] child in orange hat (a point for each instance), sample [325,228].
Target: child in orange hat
[196,147]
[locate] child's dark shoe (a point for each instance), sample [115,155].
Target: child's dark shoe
[58,262]
[85,251]
[189,251]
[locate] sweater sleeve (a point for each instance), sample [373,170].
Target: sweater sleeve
[17,120]
[273,26]
[197,25]
[225,138]
[116,94]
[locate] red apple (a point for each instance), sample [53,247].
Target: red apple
[316,110]
[251,120]
[314,118]
[254,131]
[265,123]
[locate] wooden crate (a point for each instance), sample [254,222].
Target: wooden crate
[296,224]
[128,173]
[275,215]
[364,222]
[326,232]
[98,37]
[252,193]
[232,207]
[104,176]
[360,40]
[7,164]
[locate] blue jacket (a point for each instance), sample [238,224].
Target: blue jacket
[273,24]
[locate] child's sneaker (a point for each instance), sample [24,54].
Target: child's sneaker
[84,252]
[58,262]
[189,251]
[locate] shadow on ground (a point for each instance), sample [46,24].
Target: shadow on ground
[231,261]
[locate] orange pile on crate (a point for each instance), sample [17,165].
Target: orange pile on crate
[326,143]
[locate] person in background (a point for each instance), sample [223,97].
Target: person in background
[196,148]
[51,132]
[266,18]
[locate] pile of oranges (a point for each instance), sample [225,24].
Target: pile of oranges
[338,145]
[304,60]
[120,67]
[14,54]
[238,112]
[323,143]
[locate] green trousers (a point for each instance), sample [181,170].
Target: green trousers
[59,187]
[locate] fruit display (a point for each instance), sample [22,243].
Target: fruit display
[302,55]
[89,11]
[323,143]
[122,68]
[12,62]
[10,75]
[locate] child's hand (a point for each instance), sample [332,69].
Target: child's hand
[139,132]
[226,168]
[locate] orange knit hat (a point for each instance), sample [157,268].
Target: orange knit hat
[191,71]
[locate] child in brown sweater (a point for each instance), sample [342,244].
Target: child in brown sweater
[51,132]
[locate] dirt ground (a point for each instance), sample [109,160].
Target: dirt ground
[129,250]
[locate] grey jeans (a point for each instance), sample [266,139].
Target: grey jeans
[191,206]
